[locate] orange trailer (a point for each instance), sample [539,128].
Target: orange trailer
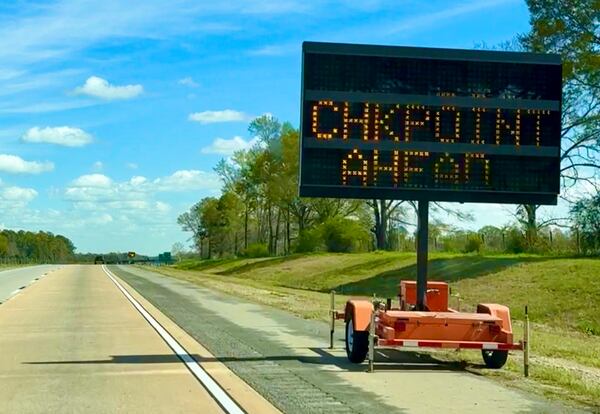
[376,325]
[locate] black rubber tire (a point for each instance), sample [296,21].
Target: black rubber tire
[360,344]
[494,359]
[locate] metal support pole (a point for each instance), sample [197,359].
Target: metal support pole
[372,341]
[526,344]
[332,312]
[422,249]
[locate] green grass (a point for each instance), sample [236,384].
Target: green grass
[563,295]
[558,291]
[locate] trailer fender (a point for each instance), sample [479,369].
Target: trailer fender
[499,311]
[360,312]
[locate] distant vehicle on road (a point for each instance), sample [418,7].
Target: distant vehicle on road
[99,260]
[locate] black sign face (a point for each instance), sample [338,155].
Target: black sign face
[430,124]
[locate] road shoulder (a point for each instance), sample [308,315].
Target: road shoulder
[240,391]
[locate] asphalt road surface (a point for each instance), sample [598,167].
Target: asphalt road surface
[74,343]
[12,281]
[90,339]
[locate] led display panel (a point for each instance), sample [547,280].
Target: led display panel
[407,123]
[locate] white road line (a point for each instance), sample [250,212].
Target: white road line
[201,375]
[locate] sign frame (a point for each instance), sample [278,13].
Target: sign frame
[427,194]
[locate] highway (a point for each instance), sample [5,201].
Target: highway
[260,344]
[12,281]
[73,342]
[99,339]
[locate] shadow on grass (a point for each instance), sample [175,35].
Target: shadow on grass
[365,266]
[202,264]
[207,264]
[385,284]
[246,267]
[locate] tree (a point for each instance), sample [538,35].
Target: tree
[239,176]
[267,128]
[30,247]
[384,212]
[528,219]
[191,221]
[493,238]
[3,245]
[585,215]
[210,219]
[230,212]
[260,198]
[570,28]
[178,250]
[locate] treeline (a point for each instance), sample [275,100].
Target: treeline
[259,213]
[505,239]
[29,247]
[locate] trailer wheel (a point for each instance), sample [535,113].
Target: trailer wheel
[357,343]
[494,359]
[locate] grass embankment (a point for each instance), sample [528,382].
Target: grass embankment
[563,295]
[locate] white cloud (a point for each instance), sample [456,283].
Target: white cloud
[188,81]
[64,27]
[212,117]
[187,180]
[26,81]
[93,181]
[18,194]
[274,50]
[104,218]
[98,166]
[42,107]
[138,180]
[100,88]
[444,14]
[17,165]
[162,207]
[228,146]
[91,190]
[132,165]
[64,135]
[122,210]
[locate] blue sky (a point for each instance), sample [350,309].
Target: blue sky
[113,113]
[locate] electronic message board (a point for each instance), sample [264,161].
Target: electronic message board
[430,124]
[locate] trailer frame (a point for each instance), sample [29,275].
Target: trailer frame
[376,342]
